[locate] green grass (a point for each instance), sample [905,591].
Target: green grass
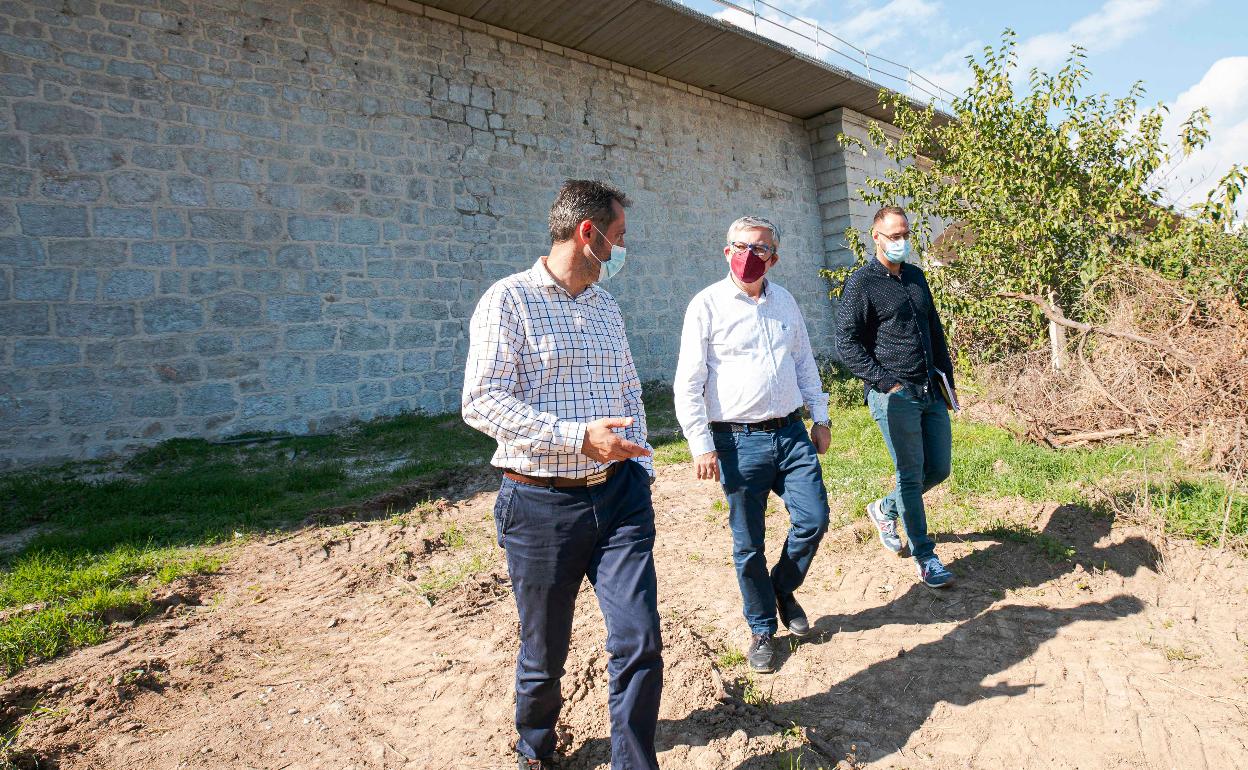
[92,551]
[101,547]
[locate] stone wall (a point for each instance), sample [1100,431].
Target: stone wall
[220,216]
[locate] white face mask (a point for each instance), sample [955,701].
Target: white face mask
[615,263]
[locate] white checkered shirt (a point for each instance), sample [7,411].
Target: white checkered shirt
[542,364]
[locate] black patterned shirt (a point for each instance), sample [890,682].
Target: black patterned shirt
[887,328]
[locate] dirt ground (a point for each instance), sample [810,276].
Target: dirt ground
[322,649]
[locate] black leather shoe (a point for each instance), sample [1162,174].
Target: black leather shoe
[762,654]
[792,615]
[524,763]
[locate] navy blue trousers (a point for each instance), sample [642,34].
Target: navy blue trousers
[753,464]
[554,538]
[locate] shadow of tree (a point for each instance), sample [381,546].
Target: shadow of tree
[880,707]
[1013,563]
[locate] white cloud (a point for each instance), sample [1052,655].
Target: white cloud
[1224,91]
[873,27]
[1111,25]
[1106,28]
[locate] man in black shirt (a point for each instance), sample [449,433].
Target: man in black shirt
[890,337]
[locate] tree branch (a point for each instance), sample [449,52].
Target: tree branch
[1056,316]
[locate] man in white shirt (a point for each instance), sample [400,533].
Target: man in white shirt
[745,370]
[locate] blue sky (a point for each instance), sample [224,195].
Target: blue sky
[1189,53]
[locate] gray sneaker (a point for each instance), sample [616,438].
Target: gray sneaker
[886,526]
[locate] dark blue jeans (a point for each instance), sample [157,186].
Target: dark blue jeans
[915,426]
[554,538]
[753,464]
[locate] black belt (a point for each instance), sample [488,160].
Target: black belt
[747,427]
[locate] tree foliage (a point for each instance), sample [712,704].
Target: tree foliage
[1046,191]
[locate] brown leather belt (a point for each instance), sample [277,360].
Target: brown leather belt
[773,424]
[592,480]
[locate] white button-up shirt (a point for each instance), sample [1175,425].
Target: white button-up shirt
[542,364]
[743,360]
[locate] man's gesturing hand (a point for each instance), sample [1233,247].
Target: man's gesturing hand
[707,465]
[604,445]
[821,436]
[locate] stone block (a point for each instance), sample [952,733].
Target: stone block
[204,400]
[95,155]
[210,281]
[382,365]
[129,284]
[264,405]
[152,254]
[415,335]
[62,379]
[154,403]
[87,253]
[233,195]
[258,341]
[303,228]
[87,407]
[172,314]
[72,187]
[294,308]
[179,372]
[15,182]
[364,336]
[362,231]
[312,401]
[111,222]
[23,412]
[402,387]
[368,393]
[22,251]
[130,187]
[334,257]
[42,284]
[230,367]
[31,353]
[284,371]
[315,337]
[217,225]
[337,368]
[124,127]
[42,119]
[94,321]
[236,310]
[296,257]
[388,309]
[52,219]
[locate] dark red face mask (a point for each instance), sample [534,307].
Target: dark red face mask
[748,267]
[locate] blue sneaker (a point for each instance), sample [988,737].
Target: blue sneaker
[933,573]
[886,527]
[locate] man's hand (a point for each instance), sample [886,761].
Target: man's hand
[604,445]
[896,388]
[706,466]
[822,438]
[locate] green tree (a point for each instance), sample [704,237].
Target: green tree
[1046,191]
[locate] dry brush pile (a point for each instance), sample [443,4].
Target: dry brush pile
[1159,363]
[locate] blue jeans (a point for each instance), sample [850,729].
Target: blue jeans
[915,426]
[753,464]
[554,538]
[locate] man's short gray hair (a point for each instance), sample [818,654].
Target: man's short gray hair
[747,223]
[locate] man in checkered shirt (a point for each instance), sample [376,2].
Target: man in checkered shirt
[551,378]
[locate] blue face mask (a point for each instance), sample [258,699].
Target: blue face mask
[613,265]
[896,251]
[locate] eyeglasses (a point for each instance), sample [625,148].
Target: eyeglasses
[896,237]
[757,249]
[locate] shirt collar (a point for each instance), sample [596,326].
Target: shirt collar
[879,268]
[731,289]
[542,277]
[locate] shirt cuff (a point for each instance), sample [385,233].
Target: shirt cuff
[570,435]
[819,409]
[701,443]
